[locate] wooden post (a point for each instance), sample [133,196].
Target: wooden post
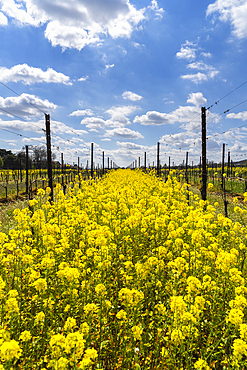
[223,166]
[228,164]
[158,159]
[186,168]
[48,145]
[186,176]
[20,170]
[108,163]
[92,160]
[145,161]
[204,159]
[169,165]
[103,162]
[139,162]
[78,169]
[26,169]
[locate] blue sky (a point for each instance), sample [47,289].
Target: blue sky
[124,74]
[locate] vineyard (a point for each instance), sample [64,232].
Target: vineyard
[126,272]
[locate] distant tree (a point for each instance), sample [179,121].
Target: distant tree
[10,161]
[39,156]
[1,162]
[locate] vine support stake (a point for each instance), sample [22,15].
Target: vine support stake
[204,155]
[48,145]
[26,169]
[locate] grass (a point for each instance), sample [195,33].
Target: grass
[214,196]
[7,213]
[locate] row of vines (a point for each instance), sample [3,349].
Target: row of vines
[13,182]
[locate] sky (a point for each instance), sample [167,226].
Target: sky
[124,75]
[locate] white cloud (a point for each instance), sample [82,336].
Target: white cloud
[109,66]
[119,114]
[93,122]
[200,66]
[130,146]
[210,72]
[131,96]
[240,115]
[137,45]
[39,126]
[196,78]
[78,23]
[124,133]
[30,75]
[83,78]
[182,140]
[234,11]
[85,112]
[187,51]
[106,139]
[206,55]
[18,125]
[197,99]
[3,20]
[155,7]
[19,105]
[118,118]
[182,114]
[61,128]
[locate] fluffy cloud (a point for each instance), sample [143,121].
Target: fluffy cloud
[182,140]
[85,112]
[118,118]
[131,96]
[119,115]
[78,23]
[182,114]
[196,78]
[93,122]
[18,125]
[234,11]
[61,128]
[155,7]
[124,133]
[187,51]
[130,146]
[30,75]
[83,78]
[24,105]
[39,126]
[210,72]
[240,115]
[3,20]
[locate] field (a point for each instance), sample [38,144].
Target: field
[127,272]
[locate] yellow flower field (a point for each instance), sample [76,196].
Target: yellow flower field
[123,273]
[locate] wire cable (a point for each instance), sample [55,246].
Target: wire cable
[231,129]
[23,98]
[227,95]
[22,119]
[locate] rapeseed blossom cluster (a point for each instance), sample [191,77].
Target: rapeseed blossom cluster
[123,273]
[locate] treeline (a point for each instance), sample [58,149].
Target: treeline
[14,161]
